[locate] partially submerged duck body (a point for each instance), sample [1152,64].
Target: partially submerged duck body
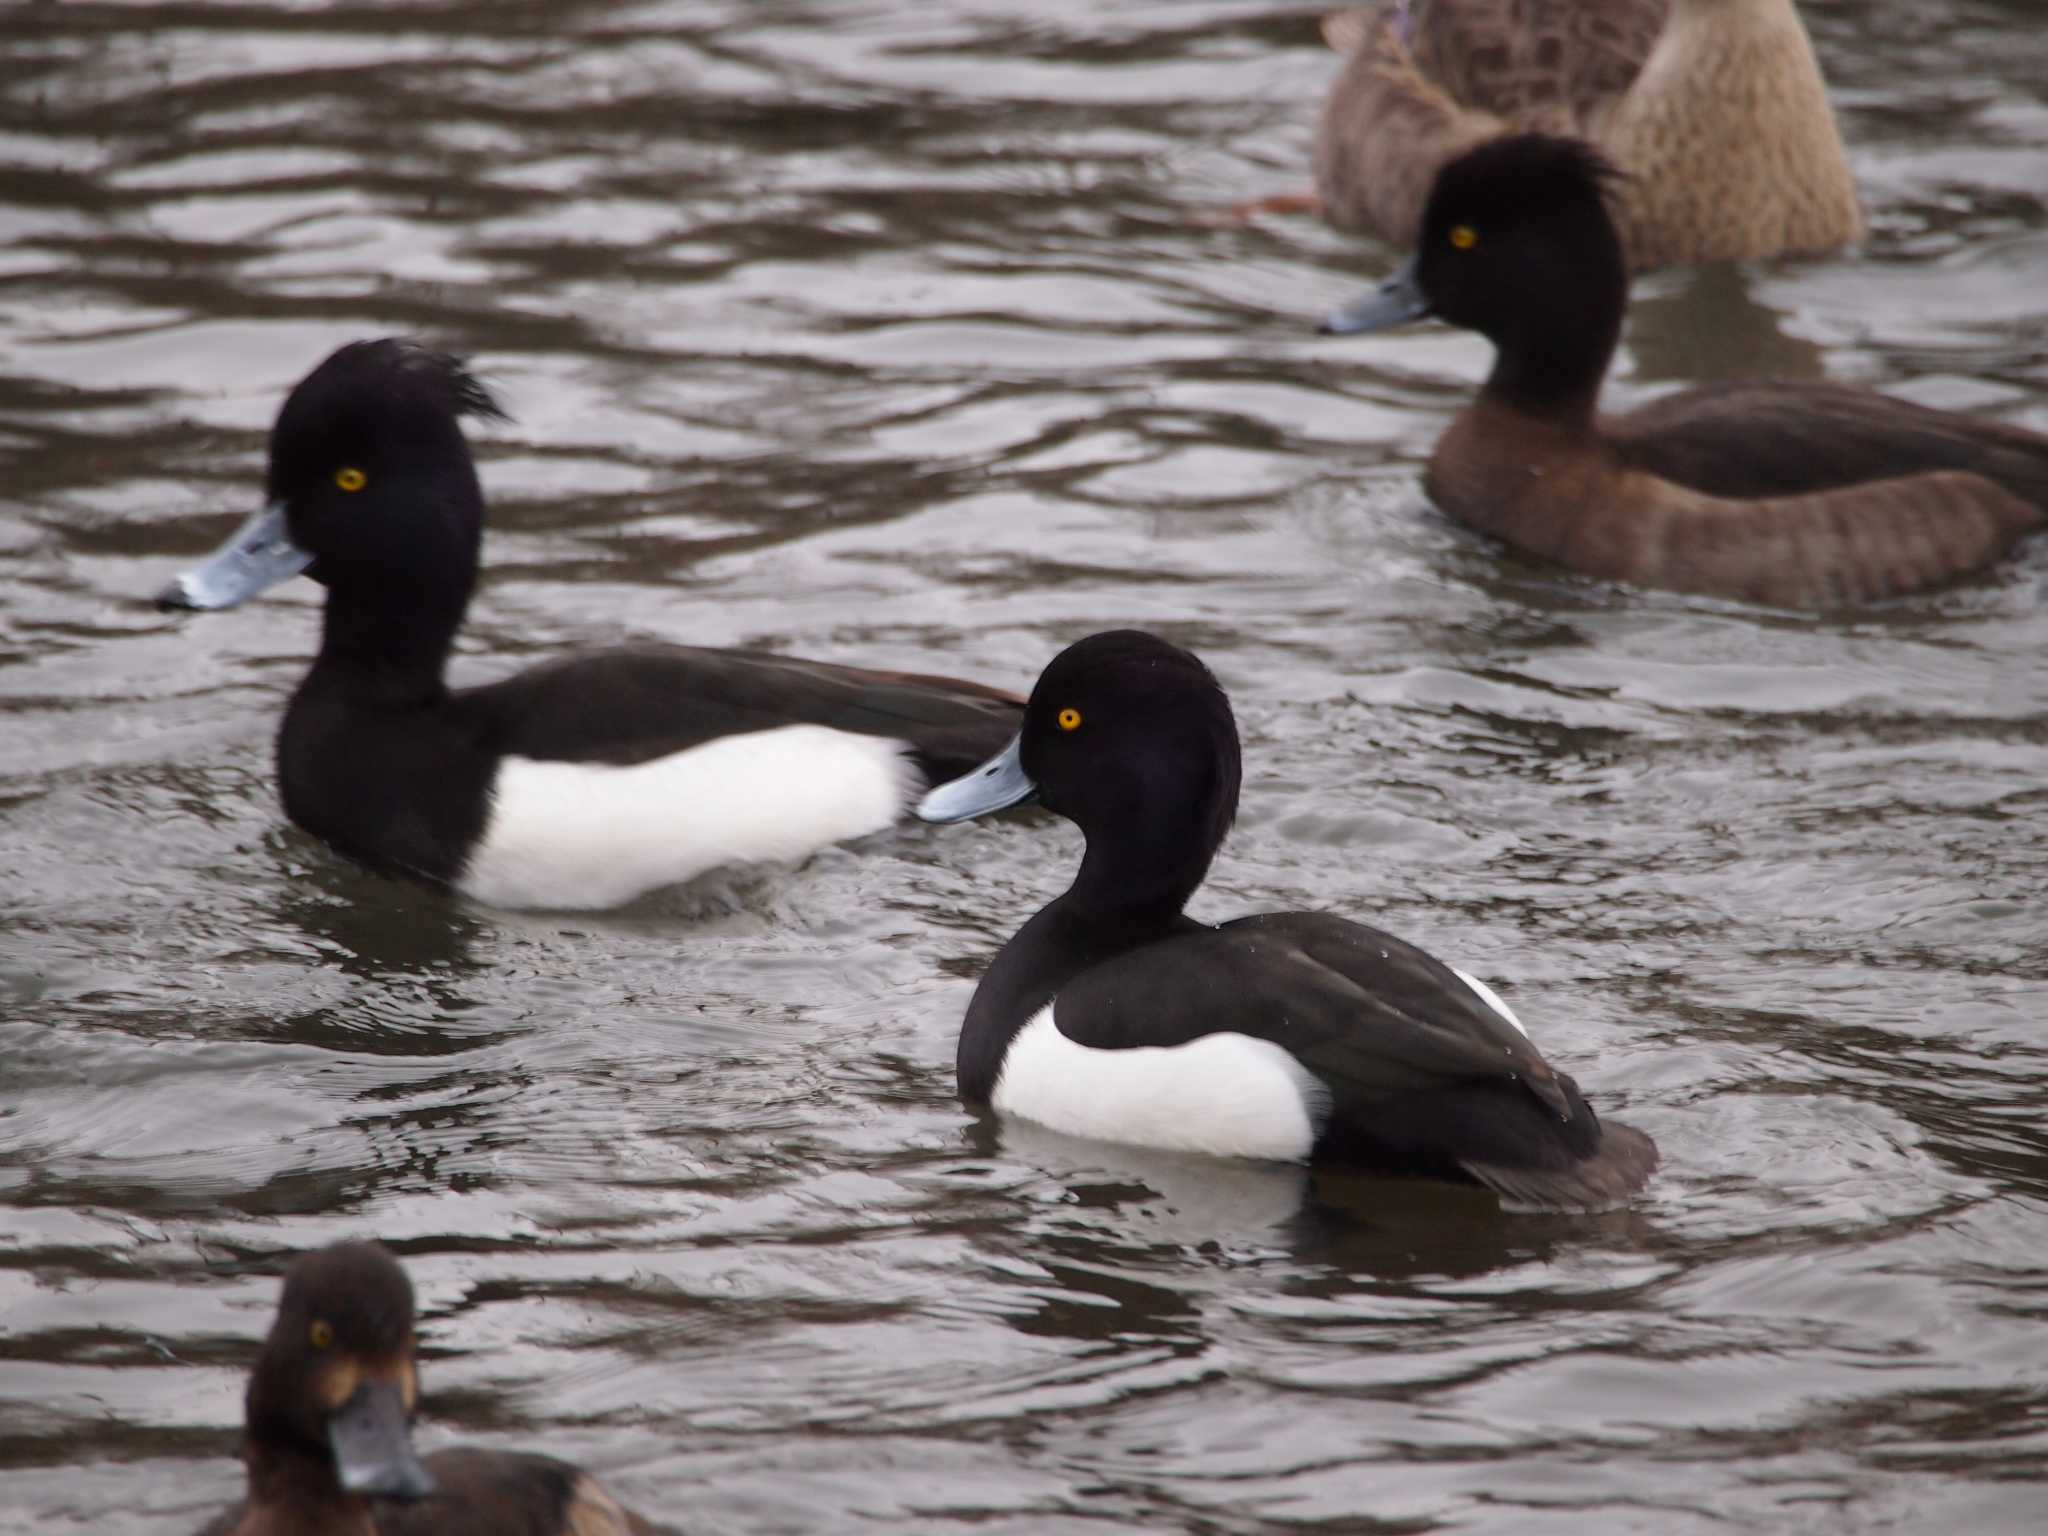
[1795,494]
[582,782]
[1792,495]
[1715,109]
[1292,1035]
[329,1429]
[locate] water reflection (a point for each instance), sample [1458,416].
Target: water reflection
[1337,1231]
[372,928]
[896,333]
[1706,323]
[1173,1198]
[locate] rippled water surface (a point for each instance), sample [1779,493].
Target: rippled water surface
[910,332]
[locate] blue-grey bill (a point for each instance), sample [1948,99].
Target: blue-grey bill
[260,554]
[372,1441]
[1396,301]
[996,785]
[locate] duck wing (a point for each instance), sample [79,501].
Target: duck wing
[1370,1012]
[1817,496]
[1784,437]
[630,704]
[1425,1078]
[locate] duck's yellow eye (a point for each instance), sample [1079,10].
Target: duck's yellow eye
[351,478]
[321,1334]
[1069,719]
[1463,237]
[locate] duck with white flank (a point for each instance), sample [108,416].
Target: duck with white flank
[579,783]
[1288,1035]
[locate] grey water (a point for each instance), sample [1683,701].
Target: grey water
[919,334]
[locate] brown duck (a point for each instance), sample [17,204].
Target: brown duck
[1715,109]
[1798,494]
[329,1442]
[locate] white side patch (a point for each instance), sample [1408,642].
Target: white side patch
[584,835]
[1228,1094]
[1492,999]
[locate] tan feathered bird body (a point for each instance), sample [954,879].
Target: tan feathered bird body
[1715,109]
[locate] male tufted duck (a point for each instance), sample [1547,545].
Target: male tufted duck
[1287,1035]
[582,782]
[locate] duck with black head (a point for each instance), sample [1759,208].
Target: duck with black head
[1289,1035]
[579,783]
[1792,493]
[329,1435]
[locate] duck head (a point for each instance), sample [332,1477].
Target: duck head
[336,1383]
[1132,739]
[371,488]
[1518,244]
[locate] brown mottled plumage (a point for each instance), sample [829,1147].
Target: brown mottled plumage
[330,1402]
[1797,494]
[1714,108]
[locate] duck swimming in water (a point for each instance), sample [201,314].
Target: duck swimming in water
[1795,494]
[582,782]
[329,1436]
[1288,1035]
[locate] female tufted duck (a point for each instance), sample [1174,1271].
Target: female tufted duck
[329,1440]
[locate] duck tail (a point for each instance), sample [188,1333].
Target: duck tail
[1619,1167]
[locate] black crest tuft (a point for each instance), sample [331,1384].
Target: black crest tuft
[409,368]
[1521,173]
[378,405]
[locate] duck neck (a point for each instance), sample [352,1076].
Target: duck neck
[1105,913]
[301,1489]
[1551,362]
[1135,886]
[392,647]
[397,592]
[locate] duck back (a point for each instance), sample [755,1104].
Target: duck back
[1422,1077]
[632,703]
[1413,95]
[1751,438]
[1793,495]
[1715,109]
[1519,58]
[1731,140]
